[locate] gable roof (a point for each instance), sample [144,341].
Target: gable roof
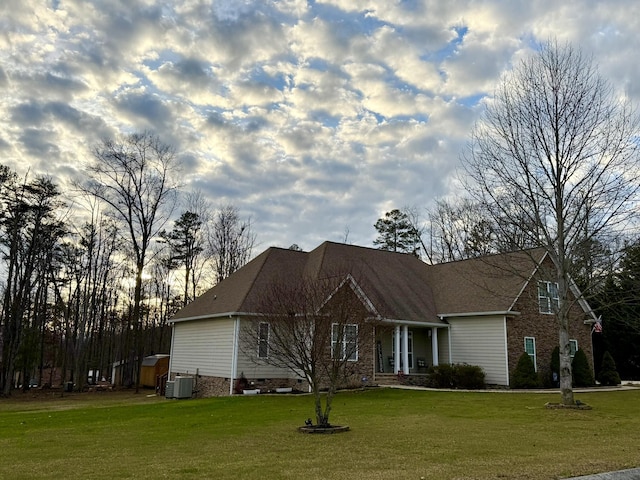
[396,286]
[481,285]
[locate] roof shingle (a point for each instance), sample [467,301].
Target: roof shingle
[399,286]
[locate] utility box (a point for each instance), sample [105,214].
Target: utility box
[183,387]
[169,389]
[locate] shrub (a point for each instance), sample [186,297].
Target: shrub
[582,374]
[241,383]
[470,377]
[441,376]
[525,375]
[554,375]
[608,373]
[465,376]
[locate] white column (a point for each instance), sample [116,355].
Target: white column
[434,345]
[396,354]
[405,349]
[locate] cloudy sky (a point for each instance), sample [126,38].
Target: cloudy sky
[312,117]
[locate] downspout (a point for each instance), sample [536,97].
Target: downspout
[234,356]
[173,336]
[449,340]
[506,352]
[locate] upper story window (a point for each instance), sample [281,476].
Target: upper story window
[263,340]
[344,341]
[548,299]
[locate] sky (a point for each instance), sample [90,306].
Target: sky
[313,118]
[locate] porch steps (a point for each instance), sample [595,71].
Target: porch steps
[383,379]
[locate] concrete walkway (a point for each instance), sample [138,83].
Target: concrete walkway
[632,474]
[630,385]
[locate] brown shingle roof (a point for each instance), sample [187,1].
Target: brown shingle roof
[485,284]
[398,286]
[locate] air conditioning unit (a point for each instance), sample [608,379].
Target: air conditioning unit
[169,389]
[183,387]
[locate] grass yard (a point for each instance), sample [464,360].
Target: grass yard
[396,434]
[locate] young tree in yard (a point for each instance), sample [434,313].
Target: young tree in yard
[317,329]
[396,233]
[134,176]
[556,150]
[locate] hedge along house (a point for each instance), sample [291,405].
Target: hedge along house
[485,311]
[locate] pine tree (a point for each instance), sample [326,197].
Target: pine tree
[608,373]
[397,234]
[581,370]
[525,375]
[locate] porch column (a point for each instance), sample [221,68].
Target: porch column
[434,345]
[405,349]
[396,353]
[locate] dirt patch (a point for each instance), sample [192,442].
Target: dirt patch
[323,430]
[560,406]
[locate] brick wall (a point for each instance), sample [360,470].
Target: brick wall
[544,328]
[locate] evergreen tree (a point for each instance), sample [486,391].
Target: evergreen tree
[525,375]
[397,234]
[582,374]
[555,367]
[608,373]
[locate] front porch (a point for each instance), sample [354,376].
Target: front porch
[410,349]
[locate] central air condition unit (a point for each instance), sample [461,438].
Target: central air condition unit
[169,389]
[183,387]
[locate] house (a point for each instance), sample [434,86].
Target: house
[485,311]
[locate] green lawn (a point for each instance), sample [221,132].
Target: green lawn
[396,434]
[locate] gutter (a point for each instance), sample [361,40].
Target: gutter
[209,316]
[506,313]
[414,323]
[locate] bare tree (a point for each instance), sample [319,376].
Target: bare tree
[134,176]
[316,328]
[556,151]
[231,241]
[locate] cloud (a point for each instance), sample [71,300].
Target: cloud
[309,116]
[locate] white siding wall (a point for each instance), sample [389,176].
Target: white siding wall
[481,341]
[443,345]
[203,345]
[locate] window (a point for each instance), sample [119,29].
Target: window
[530,348]
[573,348]
[263,340]
[344,342]
[548,297]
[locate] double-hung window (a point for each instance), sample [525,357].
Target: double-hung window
[548,299]
[344,342]
[263,340]
[530,348]
[573,348]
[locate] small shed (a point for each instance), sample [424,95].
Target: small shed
[153,366]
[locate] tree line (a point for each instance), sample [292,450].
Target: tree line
[90,278]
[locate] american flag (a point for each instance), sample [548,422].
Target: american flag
[597,327]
